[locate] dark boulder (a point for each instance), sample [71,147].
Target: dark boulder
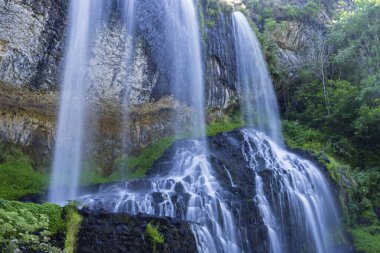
[111,233]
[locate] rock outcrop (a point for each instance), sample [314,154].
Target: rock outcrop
[31,42]
[114,233]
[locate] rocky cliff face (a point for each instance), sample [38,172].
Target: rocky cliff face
[32,45]
[31,42]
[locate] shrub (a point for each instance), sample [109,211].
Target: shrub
[154,235]
[270,24]
[226,123]
[74,221]
[133,167]
[311,9]
[293,12]
[29,225]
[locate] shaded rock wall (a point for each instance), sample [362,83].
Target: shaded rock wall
[104,232]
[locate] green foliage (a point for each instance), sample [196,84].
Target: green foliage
[367,236]
[356,38]
[366,239]
[137,166]
[224,124]
[367,124]
[201,19]
[212,11]
[74,221]
[267,12]
[311,9]
[17,176]
[270,24]
[293,12]
[29,225]
[303,137]
[154,235]
[351,115]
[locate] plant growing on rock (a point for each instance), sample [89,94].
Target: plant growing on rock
[29,227]
[74,221]
[154,235]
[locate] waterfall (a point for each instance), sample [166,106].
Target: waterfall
[182,50]
[256,94]
[297,205]
[71,119]
[129,21]
[188,191]
[302,193]
[84,20]
[290,198]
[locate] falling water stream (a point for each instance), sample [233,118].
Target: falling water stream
[183,52]
[72,113]
[256,94]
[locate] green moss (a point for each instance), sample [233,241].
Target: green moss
[224,124]
[201,20]
[74,221]
[211,23]
[154,235]
[137,166]
[29,225]
[17,176]
[92,174]
[52,211]
[365,241]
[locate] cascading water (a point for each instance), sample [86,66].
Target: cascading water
[70,136]
[301,214]
[257,98]
[300,195]
[188,191]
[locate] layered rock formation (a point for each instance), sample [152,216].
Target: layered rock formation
[32,45]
